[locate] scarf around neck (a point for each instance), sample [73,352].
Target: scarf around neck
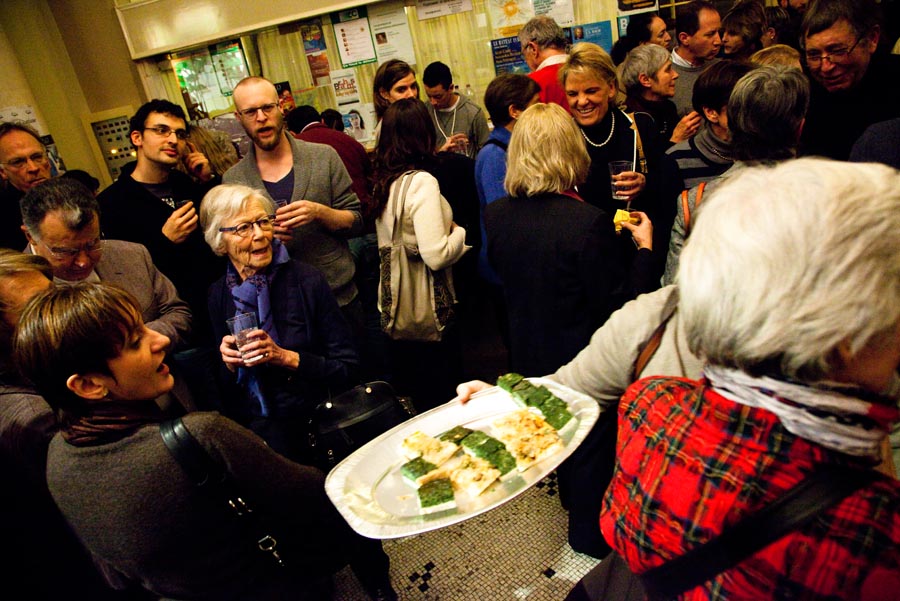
[109,421]
[252,296]
[829,414]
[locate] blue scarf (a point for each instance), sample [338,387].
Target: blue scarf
[252,296]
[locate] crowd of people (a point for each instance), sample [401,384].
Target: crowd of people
[743,243]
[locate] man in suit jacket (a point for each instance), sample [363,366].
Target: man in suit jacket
[320,209]
[62,224]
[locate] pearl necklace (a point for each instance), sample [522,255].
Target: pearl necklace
[612,128]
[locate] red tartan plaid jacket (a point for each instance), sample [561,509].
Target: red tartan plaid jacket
[691,462]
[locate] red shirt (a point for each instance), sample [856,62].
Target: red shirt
[353,155]
[691,462]
[551,89]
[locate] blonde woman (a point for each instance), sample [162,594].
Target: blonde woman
[555,254]
[560,265]
[591,83]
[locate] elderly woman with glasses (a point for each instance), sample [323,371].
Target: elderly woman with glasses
[302,349]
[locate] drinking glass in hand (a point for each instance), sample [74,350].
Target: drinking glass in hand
[240,327]
[616,168]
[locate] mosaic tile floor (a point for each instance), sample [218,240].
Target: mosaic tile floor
[517,551]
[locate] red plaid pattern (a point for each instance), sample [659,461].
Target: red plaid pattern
[691,462]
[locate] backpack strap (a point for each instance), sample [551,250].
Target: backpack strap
[686,209]
[496,142]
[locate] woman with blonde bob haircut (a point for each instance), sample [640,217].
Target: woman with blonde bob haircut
[558,259]
[790,289]
[562,165]
[555,254]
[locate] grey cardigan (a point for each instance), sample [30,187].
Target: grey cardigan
[319,176]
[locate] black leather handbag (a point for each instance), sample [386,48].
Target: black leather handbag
[344,423]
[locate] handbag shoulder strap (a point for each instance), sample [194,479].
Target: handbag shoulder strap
[653,342]
[398,203]
[213,478]
[795,508]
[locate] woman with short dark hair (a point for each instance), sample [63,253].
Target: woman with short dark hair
[91,356]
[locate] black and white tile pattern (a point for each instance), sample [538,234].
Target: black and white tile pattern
[517,551]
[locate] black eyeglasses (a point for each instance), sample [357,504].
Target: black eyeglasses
[836,56]
[164,131]
[38,158]
[251,112]
[266,224]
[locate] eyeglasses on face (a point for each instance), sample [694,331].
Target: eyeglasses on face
[835,56]
[266,224]
[62,253]
[164,131]
[251,112]
[38,158]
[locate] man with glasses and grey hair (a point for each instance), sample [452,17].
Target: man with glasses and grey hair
[317,210]
[23,164]
[853,83]
[62,224]
[544,49]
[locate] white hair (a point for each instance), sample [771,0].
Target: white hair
[786,263]
[221,204]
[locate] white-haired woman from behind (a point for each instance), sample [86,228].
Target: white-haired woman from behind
[790,289]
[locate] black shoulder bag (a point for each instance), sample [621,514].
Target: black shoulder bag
[213,479]
[343,423]
[612,580]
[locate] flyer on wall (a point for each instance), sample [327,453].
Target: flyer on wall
[508,16]
[507,53]
[346,86]
[429,9]
[599,33]
[353,36]
[561,10]
[391,32]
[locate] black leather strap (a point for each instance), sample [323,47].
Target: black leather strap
[213,478]
[798,506]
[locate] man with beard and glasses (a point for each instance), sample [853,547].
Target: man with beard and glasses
[317,209]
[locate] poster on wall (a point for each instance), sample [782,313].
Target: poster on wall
[599,33]
[630,7]
[229,64]
[508,16]
[507,54]
[561,10]
[353,36]
[346,86]
[359,121]
[314,46]
[429,9]
[285,96]
[391,32]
